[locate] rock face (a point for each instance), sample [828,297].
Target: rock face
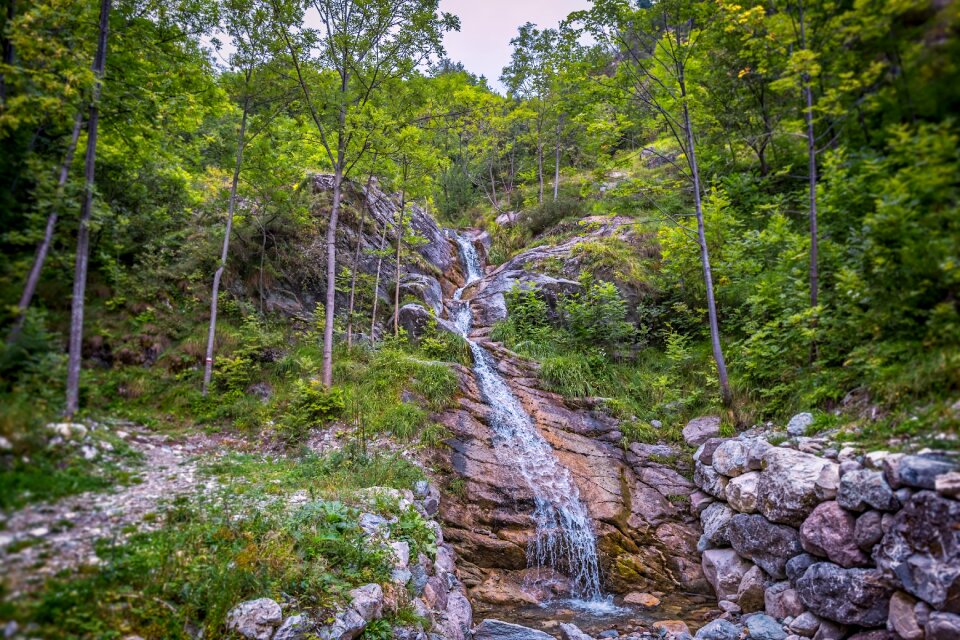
[847,596]
[830,532]
[768,545]
[496,630]
[786,490]
[255,619]
[922,550]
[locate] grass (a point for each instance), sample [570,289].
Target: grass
[242,542]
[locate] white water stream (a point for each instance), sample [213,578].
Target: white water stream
[564,539]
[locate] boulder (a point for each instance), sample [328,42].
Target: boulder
[750,593]
[763,627]
[862,489]
[572,632]
[295,628]
[829,532]
[425,287]
[710,481]
[416,321]
[781,601]
[828,482]
[847,596]
[921,550]
[255,619]
[646,600]
[704,453]
[741,492]
[368,601]
[948,484]
[942,626]
[798,424]
[830,630]
[724,570]
[868,530]
[786,490]
[671,628]
[902,618]
[491,629]
[921,472]
[805,625]
[457,618]
[346,625]
[798,565]
[768,545]
[736,456]
[715,520]
[719,630]
[699,501]
[701,429]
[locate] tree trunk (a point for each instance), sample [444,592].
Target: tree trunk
[215,293]
[376,285]
[331,279]
[812,168]
[493,188]
[356,260]
[705,255]
[556,164]
[43,248]
[539,161]
[83,234]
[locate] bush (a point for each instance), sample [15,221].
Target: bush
[597,315]
[311,406]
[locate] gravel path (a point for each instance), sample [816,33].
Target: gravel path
[41,540]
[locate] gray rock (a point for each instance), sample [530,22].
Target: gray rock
[710,481]
[921,471]
[862,489]
[255,619]
[948,484]
[847,596]
[294,628]
[724,570]
[798,565]
[786,490]
[705,452]
[829,532]
[741,492]
[425,287]
[942,626]
[798,424]
[732,458]
[572,632]
[867,531]
[719,630]
[701,429]
[806,625]
[699,501]
[609,633]
[368,601]
[921,550]
[781,601]
[828,482]
[767,544]
[750,594]
[830,630]
[763,627]
[458,616]
[715,520]
[491,629]
[729,607]
[849,465]
[416,321]
[902,618]
[346,625]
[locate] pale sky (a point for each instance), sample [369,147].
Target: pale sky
[486,27]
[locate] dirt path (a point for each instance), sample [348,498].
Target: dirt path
[40,540]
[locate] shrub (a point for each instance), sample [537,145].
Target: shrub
[310,406]
[597,315]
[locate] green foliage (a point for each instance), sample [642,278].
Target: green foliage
[311,405]
[597,315]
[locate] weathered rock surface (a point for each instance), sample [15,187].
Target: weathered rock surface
[715,521]
[763,627]
[741,492]
[297,627]
[847,596]
[786,490]
[782,601]
[830,532]
[751,590]
[921,472]
[902,618]
[572,632]
[922,550]
[719,630]
[942,626]
[798,424]
[862,489]
[868,530]
[767,544]
[710,481]
[491,629]
[724,570]
[255,619]
[701,429]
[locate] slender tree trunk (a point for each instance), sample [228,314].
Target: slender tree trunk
[215,293]
[83,234]
[263,255]
[493,188]
[33,279]
[376,285]
[812,170]
[396,289]
[356,260]
[331,299]
[540,161]
[556,163]
[705,255]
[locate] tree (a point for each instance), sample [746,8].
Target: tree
[365,44]
[83,235]
[657,44]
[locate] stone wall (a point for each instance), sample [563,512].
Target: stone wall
[839,545]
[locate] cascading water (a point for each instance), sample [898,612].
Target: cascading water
[564,538]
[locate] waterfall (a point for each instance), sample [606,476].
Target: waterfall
[564,538]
